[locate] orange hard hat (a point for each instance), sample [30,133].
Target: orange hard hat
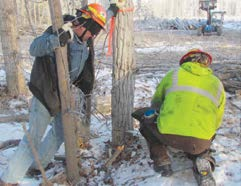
[192,52]
[96,12]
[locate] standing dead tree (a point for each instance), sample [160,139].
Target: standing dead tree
[8,24]
[123,74]
[65,97]
[29,18]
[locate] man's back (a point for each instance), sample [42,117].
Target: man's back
[191,106]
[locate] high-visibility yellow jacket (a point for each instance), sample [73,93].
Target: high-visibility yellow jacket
[192,102]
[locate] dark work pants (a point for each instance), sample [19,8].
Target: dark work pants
[190,145]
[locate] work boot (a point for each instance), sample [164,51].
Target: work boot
[202,170]
[32,172]
[165,170]
[162,163]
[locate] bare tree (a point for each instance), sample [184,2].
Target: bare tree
[65,97]
[8,24]
[29,17]
[123,75]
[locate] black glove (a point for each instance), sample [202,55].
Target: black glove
[90,43]
[63,37]
[114,9]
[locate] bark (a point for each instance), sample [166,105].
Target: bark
[123,75]
[87,119]
[64,88]
[10,48]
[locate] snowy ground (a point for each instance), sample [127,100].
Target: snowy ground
[156,53]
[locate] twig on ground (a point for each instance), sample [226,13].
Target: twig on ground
[118,151]
[234,105]
[36,157]
[60,178]
[9,143]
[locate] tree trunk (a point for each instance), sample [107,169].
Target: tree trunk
[87,118]
[29,17]
[87,105]
[64,88]
[123,75]
[14,74]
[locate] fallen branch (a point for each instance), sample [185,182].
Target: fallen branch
[234,105]
[9,143]
[118,151]
[59,157]
[14,118]
[63,158]
[59,178]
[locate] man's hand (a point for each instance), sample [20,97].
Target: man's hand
[118,3]
[114,9]
[65,34]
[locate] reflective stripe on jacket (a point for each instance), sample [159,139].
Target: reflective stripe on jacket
[192,102]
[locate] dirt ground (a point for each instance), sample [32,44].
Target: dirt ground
[224,49]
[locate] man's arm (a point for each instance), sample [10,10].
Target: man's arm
[44,45]
[159,95]
[49,41]
[221,107]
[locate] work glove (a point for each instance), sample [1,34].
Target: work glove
[150,116]
[119,3]
[65,34]
[115,5]
[145,113]
[114,8]
[150,113]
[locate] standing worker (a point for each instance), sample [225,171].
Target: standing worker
[186,110]
[78,34]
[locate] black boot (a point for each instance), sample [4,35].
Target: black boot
[162,163]
[202,170]
[165,170]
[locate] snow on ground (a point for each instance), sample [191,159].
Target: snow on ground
[2,77]
[137,169]
[232,25]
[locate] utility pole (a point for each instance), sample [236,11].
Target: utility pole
[65,97]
